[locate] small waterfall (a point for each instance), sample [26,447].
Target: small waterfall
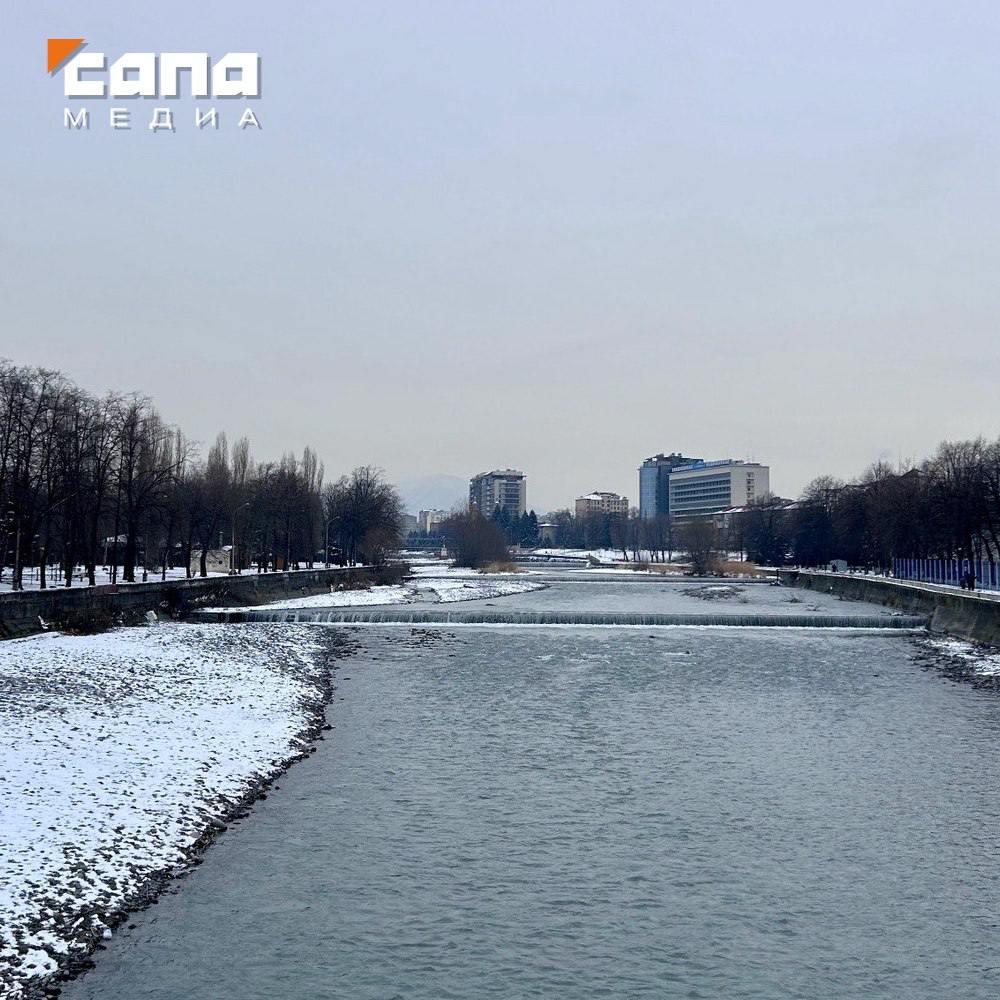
[401,616]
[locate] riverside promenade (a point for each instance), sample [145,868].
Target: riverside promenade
[91,608]
[973,615]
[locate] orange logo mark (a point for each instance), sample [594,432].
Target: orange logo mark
[60,49]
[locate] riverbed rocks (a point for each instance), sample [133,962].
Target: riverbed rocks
[958,660]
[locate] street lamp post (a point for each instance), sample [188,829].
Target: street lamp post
[326,544]
[234,565]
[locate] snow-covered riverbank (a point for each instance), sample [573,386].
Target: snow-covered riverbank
[974,660]
[119,752]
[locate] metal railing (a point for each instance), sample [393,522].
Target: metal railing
[948,572]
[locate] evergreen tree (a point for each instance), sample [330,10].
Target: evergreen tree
[529,529]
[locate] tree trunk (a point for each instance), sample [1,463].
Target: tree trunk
[17,582]
[129,558]
[92,551]
[114,540]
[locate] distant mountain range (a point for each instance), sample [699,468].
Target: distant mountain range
[438,492]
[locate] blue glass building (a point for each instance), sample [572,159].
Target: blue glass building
[654,483]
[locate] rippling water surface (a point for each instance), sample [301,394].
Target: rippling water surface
[588,813]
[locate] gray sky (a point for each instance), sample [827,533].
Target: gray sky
[558,236]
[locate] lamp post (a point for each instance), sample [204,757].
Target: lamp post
[326,544]
[234,565]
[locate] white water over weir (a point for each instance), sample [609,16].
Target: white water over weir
[400,616]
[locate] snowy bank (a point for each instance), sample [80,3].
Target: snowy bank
[978,660]
[56,580]
[120,754]
[458,585]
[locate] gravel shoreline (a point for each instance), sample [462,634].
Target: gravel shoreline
[63,919]
[961,661]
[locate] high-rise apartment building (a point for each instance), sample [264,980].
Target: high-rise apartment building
[503,488]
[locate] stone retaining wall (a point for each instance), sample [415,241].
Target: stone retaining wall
[93,608]
[970,616]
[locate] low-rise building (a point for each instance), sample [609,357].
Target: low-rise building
[728,518]
[216,560]
[547,531]
[600,502]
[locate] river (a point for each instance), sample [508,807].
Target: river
[586,812]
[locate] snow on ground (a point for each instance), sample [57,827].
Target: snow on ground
[118,751]
[601,555]
[614,556]
[983,661]
[458,589]
[459,585]
[393,594]
[666,571]
[604,556]
[103,576]
[442,570]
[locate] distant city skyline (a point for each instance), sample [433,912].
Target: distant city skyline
[559,237]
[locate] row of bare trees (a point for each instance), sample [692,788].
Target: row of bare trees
[90,483]
[635,537]
[947,506]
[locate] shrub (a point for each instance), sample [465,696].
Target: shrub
[501,567]
[474,541]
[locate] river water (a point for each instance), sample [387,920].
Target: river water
[584,812]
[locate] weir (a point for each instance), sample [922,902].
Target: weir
[400,616]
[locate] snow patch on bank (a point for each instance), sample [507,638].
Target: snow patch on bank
[389,594]
[118,751]
[464,585]
[441,570]
[478,589]
[983,661]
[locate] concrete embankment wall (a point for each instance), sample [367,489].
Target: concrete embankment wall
[93,608]
[970,616]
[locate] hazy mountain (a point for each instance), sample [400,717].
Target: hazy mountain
[437,492]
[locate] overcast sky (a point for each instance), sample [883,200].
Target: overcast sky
[555,236]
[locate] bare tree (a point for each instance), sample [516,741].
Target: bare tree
[364,513]
[473,540]
[699,539]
